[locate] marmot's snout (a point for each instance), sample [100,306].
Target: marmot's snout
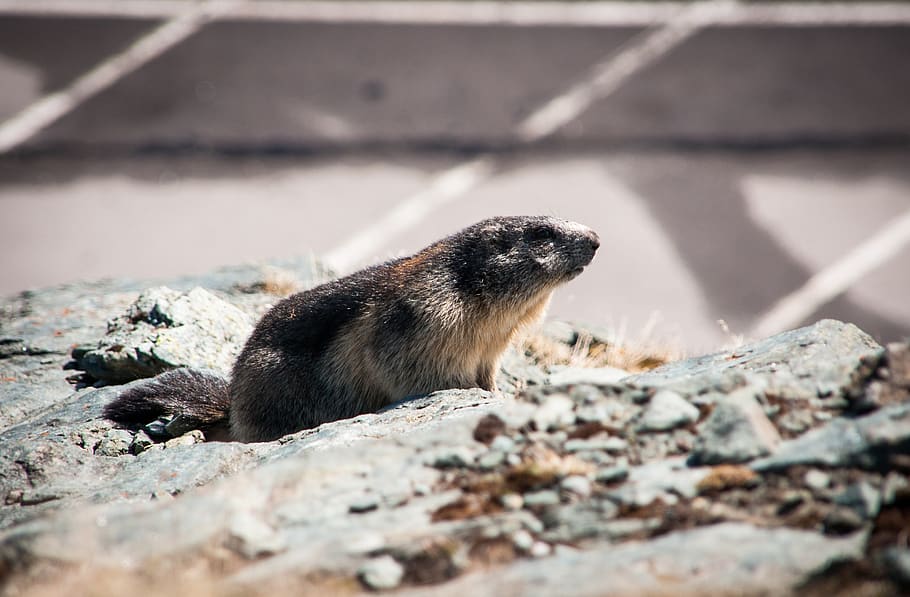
[585,243]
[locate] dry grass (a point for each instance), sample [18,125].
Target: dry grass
[587,350]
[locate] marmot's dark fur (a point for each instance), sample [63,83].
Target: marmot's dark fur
[438,319]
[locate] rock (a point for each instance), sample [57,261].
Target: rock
[817,480]
[512,501]
[165,329]
[115,442]
[897,563]
[827,359]
[576,485]
[522,540]
[842,442]
[503,443]
[366,503]
[842,521]
[607,444]
[190,438]
[488,429]
[427,490]
[612,474]
[457,458]
[737,430]
[577,522]
[708,560]
[546,497]
[894,487]
[253,538]
[382,573]
[555,412]
[141,442]
[898,362]
[862,498]
[595,376]
[667,410]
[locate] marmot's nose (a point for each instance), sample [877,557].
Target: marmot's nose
[593,238]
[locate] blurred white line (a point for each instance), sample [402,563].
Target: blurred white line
[482,12]
[609,74]
[835,279]
[24,125]
[604,79]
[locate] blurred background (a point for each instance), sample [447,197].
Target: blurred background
[743,162]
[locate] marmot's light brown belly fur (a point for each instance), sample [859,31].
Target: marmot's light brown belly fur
[436,320]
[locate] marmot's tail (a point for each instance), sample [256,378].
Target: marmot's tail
[200,397]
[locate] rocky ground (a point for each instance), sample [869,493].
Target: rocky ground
[777,466]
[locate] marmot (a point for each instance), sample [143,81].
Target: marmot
[439,319]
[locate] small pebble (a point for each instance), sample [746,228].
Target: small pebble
[456,458]
[141,442]
[381,573]
[503,443]
[491,460]
[511,501]
[188,439]
[556,411]
[540,549]
[612,474]
[366,503]
[577,485]
[547,497]
[816,479]
[523,540]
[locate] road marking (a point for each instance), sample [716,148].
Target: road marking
[832,281]
[603,79]
[482,12]
[43,112]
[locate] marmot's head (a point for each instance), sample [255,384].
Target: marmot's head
[516,258]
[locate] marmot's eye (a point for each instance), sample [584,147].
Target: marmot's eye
[541,233]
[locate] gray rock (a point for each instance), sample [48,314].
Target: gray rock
[606,444]
[737,430]
[595,376]
[115,442]
[826,359]
[523,540]
[165,329]
[545,497]
[555,412]
[576,485]
[897,562]
[708,560]
[382,573]
[577,522]
[893,486]
[842,521]
[459,457]
[842,442]
[667,410]
[190,438]
[862,498]
[366,503]
[141,442]
[285,506]
[253,538]
[612,474]
[512,501]
[817,480]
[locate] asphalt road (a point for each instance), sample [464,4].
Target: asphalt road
[722,177]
